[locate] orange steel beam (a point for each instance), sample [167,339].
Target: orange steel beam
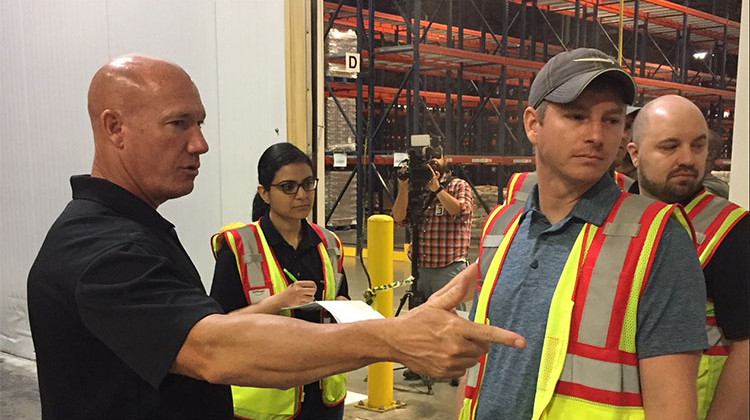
[654,83]
[693,12]
[652,18]
[387,94]
[438,32]
[406,58]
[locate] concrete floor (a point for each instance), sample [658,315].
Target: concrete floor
[19,394]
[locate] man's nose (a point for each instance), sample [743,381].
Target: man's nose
[686,156]
[198,144]
[595,132]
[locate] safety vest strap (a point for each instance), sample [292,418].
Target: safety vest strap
[334,257]
[496,227]
[601,286]
[520,186]
[712,217]
[557,333]
[623,181]
[257,275]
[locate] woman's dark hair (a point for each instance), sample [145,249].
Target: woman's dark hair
[273,159]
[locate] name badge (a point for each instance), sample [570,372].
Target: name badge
[257,295]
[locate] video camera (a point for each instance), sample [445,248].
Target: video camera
[418,166]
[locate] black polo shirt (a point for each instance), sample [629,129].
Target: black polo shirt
[304,262]
[728,277]
[112,296]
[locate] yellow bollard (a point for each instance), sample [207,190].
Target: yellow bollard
[380,266]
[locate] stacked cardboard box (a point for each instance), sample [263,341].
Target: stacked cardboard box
[339,136]
[346,211]
[339,43]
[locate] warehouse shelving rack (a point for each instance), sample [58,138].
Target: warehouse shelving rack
[482,72]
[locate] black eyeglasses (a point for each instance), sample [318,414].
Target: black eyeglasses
[291,187]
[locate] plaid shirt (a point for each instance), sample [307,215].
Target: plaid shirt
[443,238]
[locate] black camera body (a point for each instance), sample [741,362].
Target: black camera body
[419,166]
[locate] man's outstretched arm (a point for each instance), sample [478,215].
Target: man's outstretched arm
[275,351]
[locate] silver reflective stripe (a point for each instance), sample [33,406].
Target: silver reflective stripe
[705,217]
[252,258]
[334,253]
[472,376]
[622,229]
[494,236]
[492,241]
[716,337]
[606,275]
[599,374]
[522,195]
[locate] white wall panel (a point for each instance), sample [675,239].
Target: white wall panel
[251,95]
[51,49]
[44,73]
[183,32]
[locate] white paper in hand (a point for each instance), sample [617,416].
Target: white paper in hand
[343,311]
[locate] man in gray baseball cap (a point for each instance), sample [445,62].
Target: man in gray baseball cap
[604,285]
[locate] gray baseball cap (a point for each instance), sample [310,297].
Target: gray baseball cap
[568,73]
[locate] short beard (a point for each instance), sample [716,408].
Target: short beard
[669,193]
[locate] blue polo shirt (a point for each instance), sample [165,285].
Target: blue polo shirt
[671,315]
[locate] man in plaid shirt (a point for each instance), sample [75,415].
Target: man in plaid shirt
[444,227]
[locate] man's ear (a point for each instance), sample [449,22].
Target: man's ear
[633,150]
[112,125]
[531,123]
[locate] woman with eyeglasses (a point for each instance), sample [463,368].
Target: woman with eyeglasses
[281,260]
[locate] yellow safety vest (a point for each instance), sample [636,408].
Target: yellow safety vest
[262,277]
[589,365]
[712,217]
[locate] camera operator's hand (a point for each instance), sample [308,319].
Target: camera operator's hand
[401,205]
[434,183]
[403,180]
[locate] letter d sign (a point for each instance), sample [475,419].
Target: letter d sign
[352,62]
